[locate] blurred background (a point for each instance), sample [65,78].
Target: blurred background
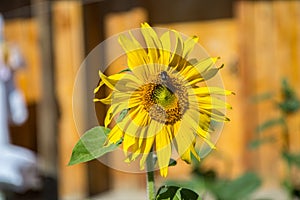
[258,41]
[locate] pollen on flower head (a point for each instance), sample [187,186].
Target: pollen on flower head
[164,100]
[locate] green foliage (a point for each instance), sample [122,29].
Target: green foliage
[269,123]
[291,158]
[172,162]
[125,70]
[176,193]
[92,145]
[262,97]
[254,144]
[240,188]
[122,115]
[222,189]
[208,74]
[290,103]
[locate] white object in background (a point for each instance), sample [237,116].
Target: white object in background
[18,165]
[2,196]
[5,73]
[17,107]
[18,169]
[4,134]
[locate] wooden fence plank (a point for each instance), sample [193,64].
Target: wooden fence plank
[269,38]
[23,33]
[68,48]
[116,23]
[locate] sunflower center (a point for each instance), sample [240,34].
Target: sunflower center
[165,100]
[164,97]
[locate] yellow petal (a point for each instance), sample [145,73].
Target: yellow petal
[129,82]
[115,135]
[147,145]
[184,136]
[204,91]
[189,46]
[209,102]
[136,54]
[199,71]
[206,63]
[186,156]
[214,114]
[129,98]
[195,81]
[128,141]
[192,149]
[108,116]
[166,45]
[163,151]
[113,110]
[143,72]
[132,123]
[154,127]
[112,80]
[106,100]
[140,118]
[154,46]
[98,87]
[194,123]
[176,57]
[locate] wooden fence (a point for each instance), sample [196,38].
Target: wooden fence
[259,46]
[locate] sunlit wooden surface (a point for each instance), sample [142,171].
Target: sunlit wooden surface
[68,48]
[23,33]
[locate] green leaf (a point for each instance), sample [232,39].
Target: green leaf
[195,183]
[237,189]
[262,97]
[172,162]
[290,103]
[188,194]
[270,123]
[193,61]
[176,193]
[258,142]
[286,90]
[211,72]
[287,184]
[291,158]
[124,70]
[122,115]
[92,145]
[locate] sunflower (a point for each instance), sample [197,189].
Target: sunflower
[162,98]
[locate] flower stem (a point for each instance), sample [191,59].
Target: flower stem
[150,177]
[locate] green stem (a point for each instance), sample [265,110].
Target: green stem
[150,177]
[286,148]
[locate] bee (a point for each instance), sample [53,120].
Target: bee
[166,81]
[164,76]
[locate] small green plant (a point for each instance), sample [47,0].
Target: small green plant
[288,105]
[207,183]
